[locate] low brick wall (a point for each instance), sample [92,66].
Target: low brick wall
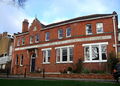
[81,76]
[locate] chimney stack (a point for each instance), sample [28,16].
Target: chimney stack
[25,25]
[5,34]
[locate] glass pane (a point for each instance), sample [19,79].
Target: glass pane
[87,53]
[47,36]
[48,55]
[95,52]
[37,38]
[89,29]
[64,54]
[71,54]
[58,55]
[60,33]
[99,27]
[44,56]
[103,51]
[69,32]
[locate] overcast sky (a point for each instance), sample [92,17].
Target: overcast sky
[49,11]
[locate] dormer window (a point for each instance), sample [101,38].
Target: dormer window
[31,39]
[88,29]
[37,38]
[47,36]
[60,34]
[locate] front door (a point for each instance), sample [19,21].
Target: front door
[33,65]
[33,62]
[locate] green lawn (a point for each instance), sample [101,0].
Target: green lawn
[4,82]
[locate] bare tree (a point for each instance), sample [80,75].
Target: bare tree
[17,3]
[20,3]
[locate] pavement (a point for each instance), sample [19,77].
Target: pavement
[51,78]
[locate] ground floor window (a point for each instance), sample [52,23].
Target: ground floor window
[21,60]
[95,52]
[64,54]
[46,55]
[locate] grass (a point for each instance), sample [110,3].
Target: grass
[6,82]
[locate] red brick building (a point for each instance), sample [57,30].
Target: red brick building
[57,46]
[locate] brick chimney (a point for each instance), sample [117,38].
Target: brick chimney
[5,34]
[25,25]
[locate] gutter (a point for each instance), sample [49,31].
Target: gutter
[114,26]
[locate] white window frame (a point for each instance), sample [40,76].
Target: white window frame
[68,54]
[59,33]
[99,27]
[87,29]
[46,50]
[46,36]
[67,32]
[100,53]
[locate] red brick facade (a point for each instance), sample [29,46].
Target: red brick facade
[78,40]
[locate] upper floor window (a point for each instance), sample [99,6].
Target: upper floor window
[60,34]
[31,39]
[23,41]
[47,36]
[37,38]
[68,32]
[18,42]
[99,27]
[21,60]
[46,55]
[95,52]
[88,29]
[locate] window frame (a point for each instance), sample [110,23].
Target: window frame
[47,51]
[68,31]
[61,54]
[21,60]
[87,33]
[37,39]
[47,36]
[60,34]
[31,39]
[18,42]
[23,40]
[99,27]
[90,52]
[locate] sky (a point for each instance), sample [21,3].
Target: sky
[50,11]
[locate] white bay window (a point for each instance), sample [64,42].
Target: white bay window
[95,52]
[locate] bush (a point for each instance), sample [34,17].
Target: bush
[69,69]
[97,71]
[86,71]
[78,66]
[112,61]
